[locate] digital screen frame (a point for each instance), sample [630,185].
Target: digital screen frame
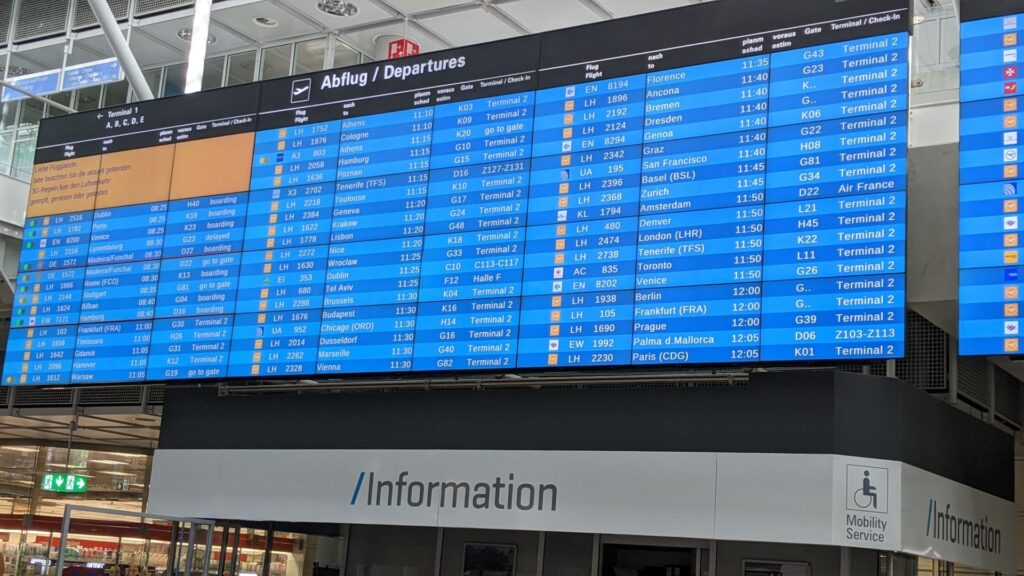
[718,184]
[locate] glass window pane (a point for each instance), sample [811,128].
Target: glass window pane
[344,56]
[309,55]
[6,149]
[31,112]
[276,62]
[241,68]
[153,79]
[567,554]
[116,94]
[174,80]
[89,98]
[24,153]
[213,72]
[62,97]
[8,114]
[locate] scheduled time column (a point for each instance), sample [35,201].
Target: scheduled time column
[835,227]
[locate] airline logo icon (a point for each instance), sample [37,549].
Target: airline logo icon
[1010,155]
[1011,345]
[1011,222]
[1009,55]
[1010,139]
[1011,327]
[1010,23]
[1010,39]
[1010,88]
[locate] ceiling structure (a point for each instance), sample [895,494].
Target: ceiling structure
[239,25]
[110,428]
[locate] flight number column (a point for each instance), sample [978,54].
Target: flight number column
[470,285]
[283,267]
[581,240]
[47,299]
[701,228]
[374,260]
[836,213]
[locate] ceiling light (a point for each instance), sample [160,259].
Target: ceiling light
[265,21]
[20,448]
[337,7]
[185,34]
[111,462]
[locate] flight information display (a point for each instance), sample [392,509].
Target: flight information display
[722,183]
[992,57]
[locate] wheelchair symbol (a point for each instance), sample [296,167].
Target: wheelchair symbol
[867,495]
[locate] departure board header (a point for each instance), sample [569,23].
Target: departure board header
[149,123]
[971,10]
[723,183]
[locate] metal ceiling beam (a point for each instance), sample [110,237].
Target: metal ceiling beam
[119,45]
[598,9]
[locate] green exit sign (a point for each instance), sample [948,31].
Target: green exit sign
[65,483]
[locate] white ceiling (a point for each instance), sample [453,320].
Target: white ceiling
[435,24]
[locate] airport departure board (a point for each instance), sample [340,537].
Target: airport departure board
[722,183]
[991,59]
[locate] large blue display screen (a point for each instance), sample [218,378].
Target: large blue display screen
[723,183]
[992,51]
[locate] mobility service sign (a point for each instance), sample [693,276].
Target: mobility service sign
[866,496]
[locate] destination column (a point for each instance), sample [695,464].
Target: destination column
[699,263]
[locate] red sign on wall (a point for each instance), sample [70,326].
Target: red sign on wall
[402,47]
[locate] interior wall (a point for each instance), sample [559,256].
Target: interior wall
[824,560]
[455,539]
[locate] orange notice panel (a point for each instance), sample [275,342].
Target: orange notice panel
[63,186]
[212,166]
[135,177]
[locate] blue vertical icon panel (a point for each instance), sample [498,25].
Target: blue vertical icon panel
[990,181]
